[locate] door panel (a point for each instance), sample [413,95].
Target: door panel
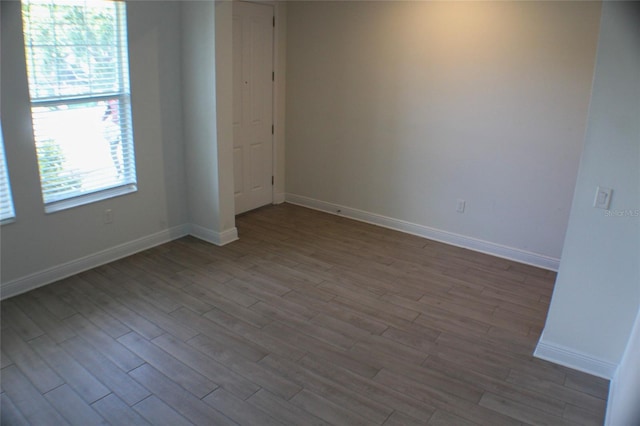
[257,164]
[238,173]
[253,104]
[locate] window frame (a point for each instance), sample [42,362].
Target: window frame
[122,96]
[5,184]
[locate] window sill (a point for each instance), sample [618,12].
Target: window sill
[7,221]
[89,198]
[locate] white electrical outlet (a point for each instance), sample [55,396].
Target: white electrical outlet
[603,198]
[460,205]
[107,217]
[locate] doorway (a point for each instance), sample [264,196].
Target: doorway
[252,105]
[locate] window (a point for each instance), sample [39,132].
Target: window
[77,66]
[6,201]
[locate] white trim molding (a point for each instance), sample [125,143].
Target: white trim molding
[279,198]
[451,238]
[214,237]
[576,360]
[58,272]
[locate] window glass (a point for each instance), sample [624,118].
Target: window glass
[77,66]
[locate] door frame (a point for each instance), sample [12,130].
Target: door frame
[278,108]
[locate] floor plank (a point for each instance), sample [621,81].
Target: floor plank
[101,319]
[5,361]
[323,408]
[400,419]
[207,363]
[171,367]
[53,327]
[22,324]
[282,410]
[9,413]
[28,400]
[159,413]
[182,401]
[29,362]
[117,412]
[343,396]
[105,371]
[107,345]
[70,370]
[237,409]
[519,411]
[73,408]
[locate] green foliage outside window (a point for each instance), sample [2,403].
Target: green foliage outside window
[79,42]
[60,177]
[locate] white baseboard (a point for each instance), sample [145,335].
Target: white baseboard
[451,238]
[58,272]
[279,198]
[576,360]
[213,237]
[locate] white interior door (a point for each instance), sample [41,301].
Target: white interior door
[252,105]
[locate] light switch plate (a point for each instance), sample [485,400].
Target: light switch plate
[603,198]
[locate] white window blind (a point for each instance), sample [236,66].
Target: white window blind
[78,71]
[6,201]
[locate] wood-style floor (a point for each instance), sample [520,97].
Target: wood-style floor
[309,319]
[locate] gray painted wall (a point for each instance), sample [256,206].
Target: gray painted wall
[624,393]
[597,292]
[400,108]
[199,86]
[207,101]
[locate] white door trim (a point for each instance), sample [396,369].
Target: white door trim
[279,95]
[269,171]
